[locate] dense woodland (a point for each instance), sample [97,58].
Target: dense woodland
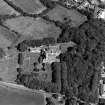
[84,60]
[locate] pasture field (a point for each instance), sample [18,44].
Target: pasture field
[7,38]
[8,65]
[29,6]
[64,15]
[8,71]
[12,96]
[38,28]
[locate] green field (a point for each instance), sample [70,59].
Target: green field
[71,16]
[12,96]
[8,66]
[30,6]
[7,38]
[36,28]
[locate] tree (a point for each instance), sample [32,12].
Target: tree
[19,70]
[34,43]
[29,80]
[22,46]
[84,60]
[48,3]
[48,40]
[56,73]
[2,53]
[20,59]
[49,101]
[64,82]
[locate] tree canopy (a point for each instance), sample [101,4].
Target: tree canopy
[83,61]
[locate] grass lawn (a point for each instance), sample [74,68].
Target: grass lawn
[49,72]
[29,59]
[7,38]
